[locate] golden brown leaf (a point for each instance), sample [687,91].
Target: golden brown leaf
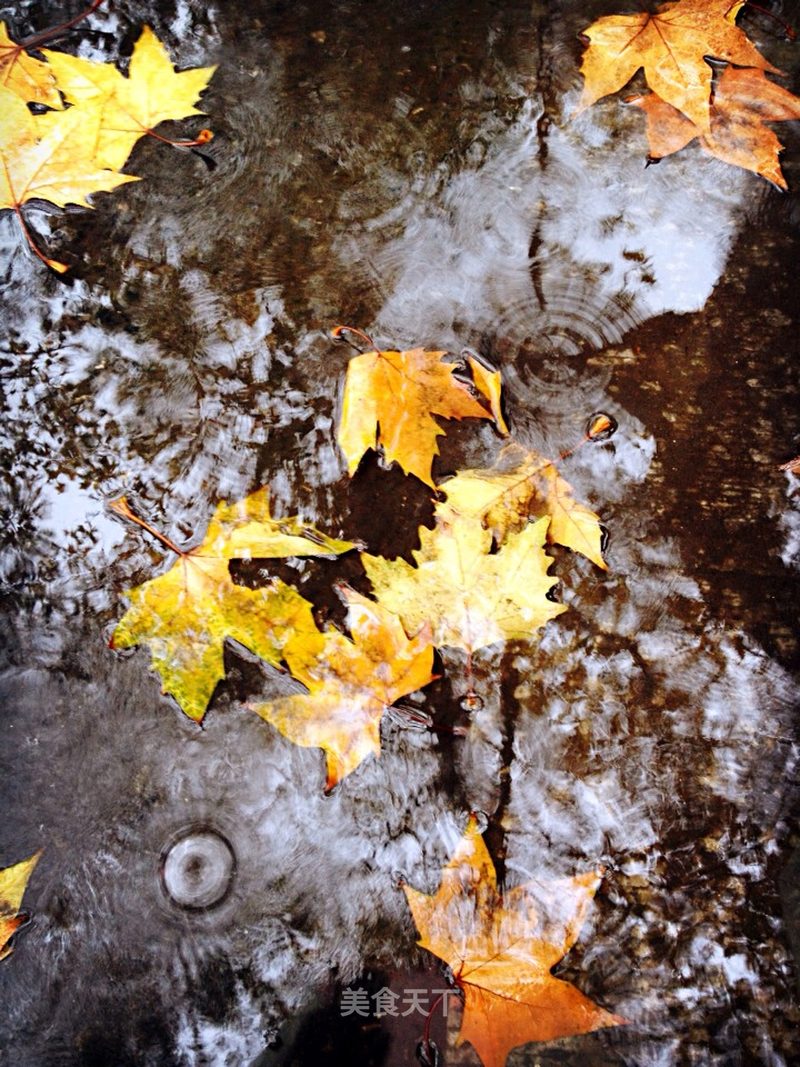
[30,79]
[13,881]
[670,46]
[350,683]
[471,598]
[130,107]
[522,486]
[489,384]
[744,100]
[501,948]
[389,400]
[185,615]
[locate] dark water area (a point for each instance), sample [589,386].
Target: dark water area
[411,170]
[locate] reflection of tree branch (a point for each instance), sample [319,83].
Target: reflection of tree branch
[495,835]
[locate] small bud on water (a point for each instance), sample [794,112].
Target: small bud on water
[600,426]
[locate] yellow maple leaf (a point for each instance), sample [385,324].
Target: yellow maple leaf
[501,948]
[29,78]
[130,107]
[525,485]
[185,615]
[670,45]
[389,400]
[350,683]
[469,597]
[13,882]
[744,99]
[50,157]
[247,530]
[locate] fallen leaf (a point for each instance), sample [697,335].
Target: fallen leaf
[389,400]
[670,45]
[152,93]
[185,615]
[501,947]
[13,882]
[489,384]
[522,486]
[50,157]
[247,530]
[350,683]
[28,78]
[744,99]
[471,598]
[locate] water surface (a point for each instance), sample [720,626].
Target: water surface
[412,171]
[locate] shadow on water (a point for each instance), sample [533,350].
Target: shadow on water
[410,170]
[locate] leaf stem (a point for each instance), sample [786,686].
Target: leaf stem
[790,31]
[122,507]
[426,1033]
[337,331]
[54,264]
[471,699]
[47,35]
[203,137]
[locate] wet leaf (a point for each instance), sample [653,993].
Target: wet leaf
[130,107]
[185,615]
[30,79]
[50,157]
[744,100]
[670,45]
[501,947]
[489,384]
[350,683]
[470,598]
[525,485]
[13,882]
[247,530]
[390,399]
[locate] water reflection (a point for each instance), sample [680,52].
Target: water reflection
[187,360]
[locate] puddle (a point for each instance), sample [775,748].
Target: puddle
[410,171]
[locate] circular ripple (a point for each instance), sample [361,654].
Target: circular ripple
[197,869]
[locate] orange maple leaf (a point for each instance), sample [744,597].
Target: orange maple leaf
[501,947]
[744,99]
[389,400]
[350,683]
[670,45]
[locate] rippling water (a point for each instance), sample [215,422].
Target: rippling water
[413,172]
